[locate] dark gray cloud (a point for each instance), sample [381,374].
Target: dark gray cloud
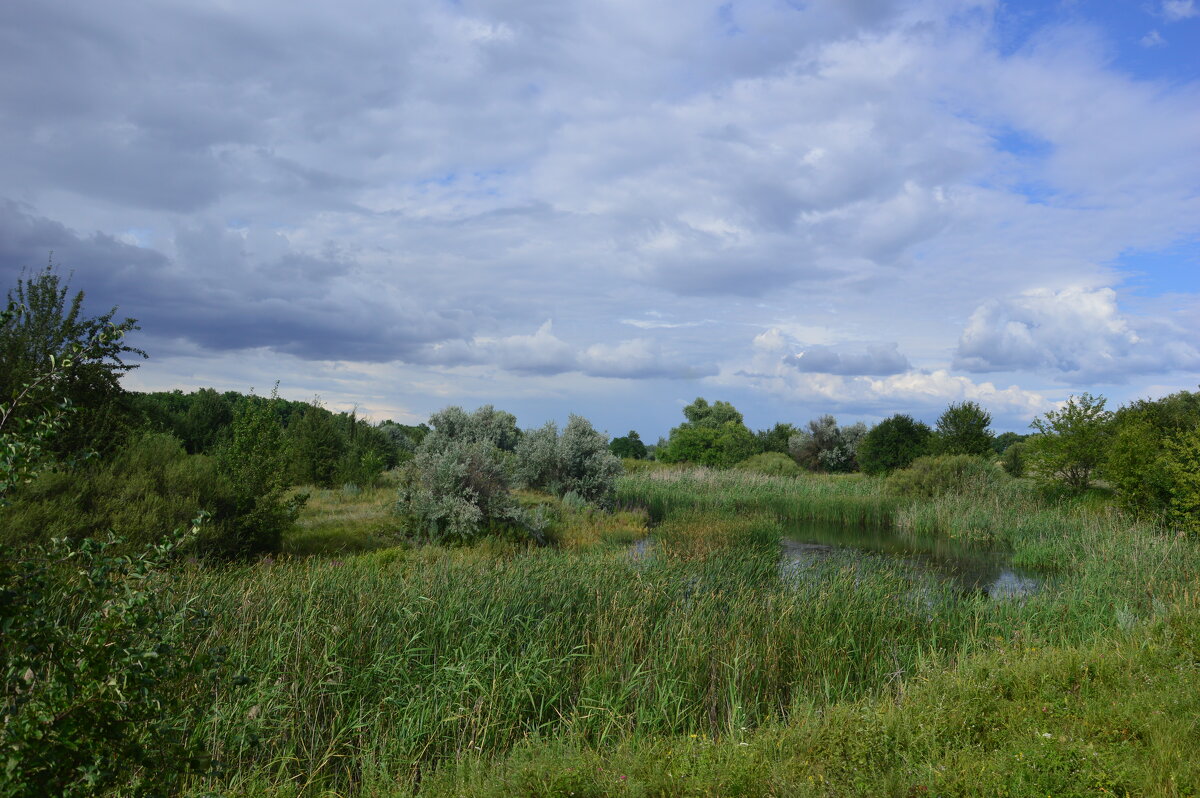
[876,360]
[220,297]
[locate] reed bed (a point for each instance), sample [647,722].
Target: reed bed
[365,674]
[378,673]
[849,499]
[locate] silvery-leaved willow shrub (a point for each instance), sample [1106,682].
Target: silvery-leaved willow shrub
[575,462]
[457,486]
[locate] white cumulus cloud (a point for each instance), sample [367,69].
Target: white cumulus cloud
[1077,334]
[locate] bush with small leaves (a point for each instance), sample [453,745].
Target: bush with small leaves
[577,461]
[458,490]
[536,464]
[97,652]
[587,467]
[486,425]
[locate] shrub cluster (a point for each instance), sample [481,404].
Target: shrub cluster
[772,464]
[151,486]
[945,474]
[576,462]
[459,485]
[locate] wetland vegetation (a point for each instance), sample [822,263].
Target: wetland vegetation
[467,608]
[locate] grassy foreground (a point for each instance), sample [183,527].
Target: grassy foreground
[695,667]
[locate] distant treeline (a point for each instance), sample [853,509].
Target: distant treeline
[324,448]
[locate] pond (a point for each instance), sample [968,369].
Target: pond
[970,567]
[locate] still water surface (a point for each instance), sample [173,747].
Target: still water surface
[970,567]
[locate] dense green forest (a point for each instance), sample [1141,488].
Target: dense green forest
[224,593]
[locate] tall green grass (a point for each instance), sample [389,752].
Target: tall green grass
[377,673]
[1116,717]
[367,674]
[850,499]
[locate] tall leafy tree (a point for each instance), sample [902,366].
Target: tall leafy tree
[713,435]
[630,445]
[893,443]
[49,333]
[1071,442]
[964,428]
[701,414]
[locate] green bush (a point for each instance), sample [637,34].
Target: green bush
[1183,465]
[577,461]
[147,488]
[1137,463]
[949,473]
[1013,461]
[772,464]
[893,443]
[457,491]
[1072,442]
[255,462]
[964,428]
[97,651]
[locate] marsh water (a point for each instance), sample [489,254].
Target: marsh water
[807,548]
[970,567]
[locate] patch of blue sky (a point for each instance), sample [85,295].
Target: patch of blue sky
[141,236]
[1144,40]
[726,21]
[1035,191]
[1174,269]
[1021,143]
[1028,153]
[447,179]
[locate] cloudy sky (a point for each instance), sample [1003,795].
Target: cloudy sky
[611,207]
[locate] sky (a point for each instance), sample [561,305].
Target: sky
[610,208]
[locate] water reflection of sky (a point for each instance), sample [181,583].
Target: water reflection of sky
[970,567]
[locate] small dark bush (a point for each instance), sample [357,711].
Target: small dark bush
[1013,459]
[949,473]
[772,464]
